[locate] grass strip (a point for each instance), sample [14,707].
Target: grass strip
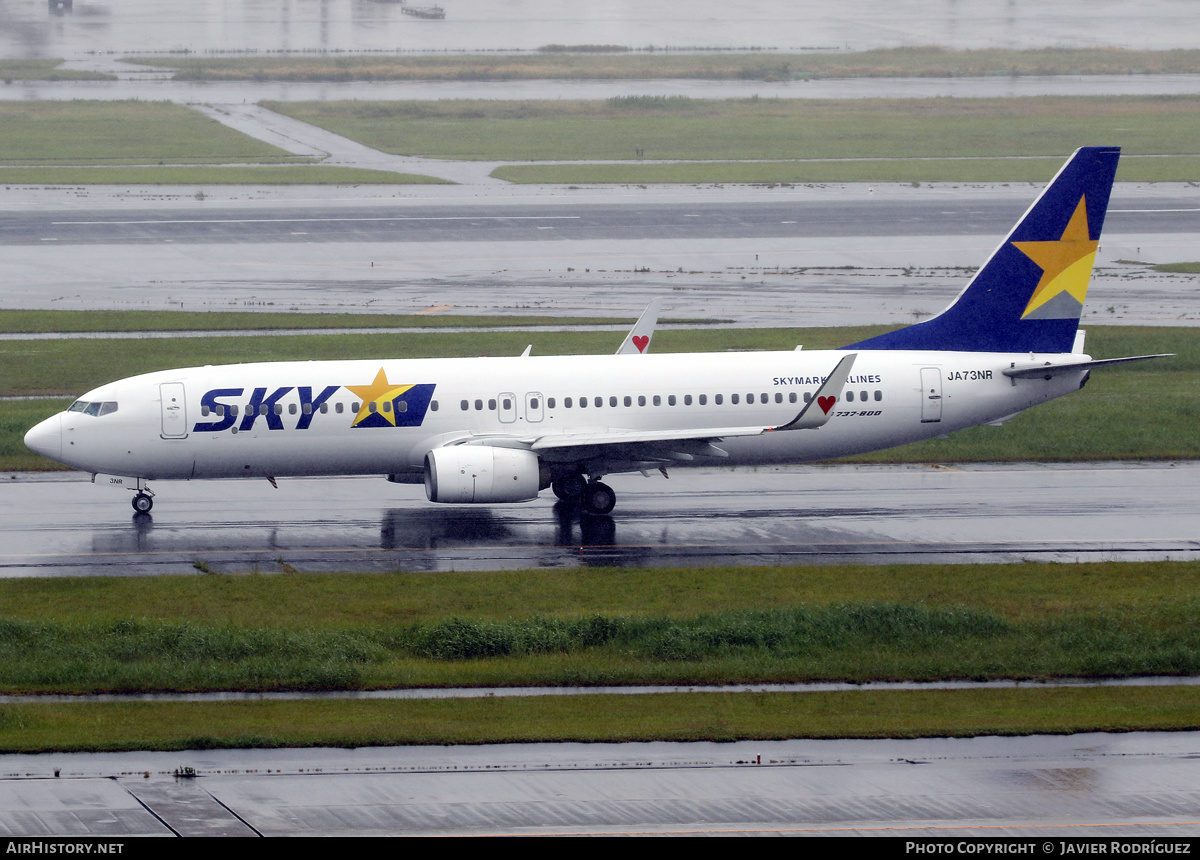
[172,174]
[682,128]
[613,62]
[123,132]
[30,69]
[911,170]
[37,727]
[672,626]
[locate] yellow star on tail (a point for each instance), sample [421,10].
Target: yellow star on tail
[1066,263]
[378,392]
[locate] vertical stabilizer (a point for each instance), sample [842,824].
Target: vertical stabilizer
[1029,295]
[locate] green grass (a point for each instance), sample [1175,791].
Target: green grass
[45,70]
[754,129]
[597,626]
[597,62]
[171,174]
[123,132]
[685,717]
[1184,168]
[676,626]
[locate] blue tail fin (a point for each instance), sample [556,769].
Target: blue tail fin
[1029,295]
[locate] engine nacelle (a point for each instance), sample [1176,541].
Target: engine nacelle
[481,474]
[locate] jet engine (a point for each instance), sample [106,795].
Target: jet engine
[482,474]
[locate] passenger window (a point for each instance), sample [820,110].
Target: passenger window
[533,403]
[308,409]
[233,410]
[507,404]
[762,398]
[401,405]
[599,401]
[263,409]
[583,403]
[878,395]
[862,395]
[491,404]
[337,409]
[628,400]
[657,400]
[807,397]
[733,398]
[325,408]
[791,397]
[671,400]
[478,405]
[550,402]
[433,406]
[204,411]
[849,396]
[291,409]
[612,400]
[373,407]
[687,400]
[719,399]
[641,400]
[703,399]
[566,402]
[778,396]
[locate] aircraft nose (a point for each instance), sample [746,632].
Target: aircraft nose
[46,438]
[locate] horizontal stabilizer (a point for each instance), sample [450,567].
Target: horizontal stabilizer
[1048,370]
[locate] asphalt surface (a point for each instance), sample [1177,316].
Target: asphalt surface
[815,514]
[1088,785]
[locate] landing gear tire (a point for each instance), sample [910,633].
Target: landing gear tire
[142,503]
[598,498]
[569,488]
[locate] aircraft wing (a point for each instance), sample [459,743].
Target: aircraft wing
[1048,370]
[685,443]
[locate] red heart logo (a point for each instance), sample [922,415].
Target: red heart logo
[826,403]
[641,342]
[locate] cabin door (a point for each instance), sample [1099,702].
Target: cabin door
[174,411]
[931,395]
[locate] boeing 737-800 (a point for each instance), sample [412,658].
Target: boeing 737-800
[492,430]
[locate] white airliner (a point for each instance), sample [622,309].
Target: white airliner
[491,430]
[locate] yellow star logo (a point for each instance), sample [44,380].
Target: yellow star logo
[1066,264]
[377,394]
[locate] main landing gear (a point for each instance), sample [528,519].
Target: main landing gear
[591,495]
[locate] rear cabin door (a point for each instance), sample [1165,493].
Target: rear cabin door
[931,395]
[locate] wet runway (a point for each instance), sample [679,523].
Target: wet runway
[1088,785]
[61,526]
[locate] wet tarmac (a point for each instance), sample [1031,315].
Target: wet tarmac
[824,255]
[1088,785]
[64,525]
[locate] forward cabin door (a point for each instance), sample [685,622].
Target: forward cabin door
[174,410]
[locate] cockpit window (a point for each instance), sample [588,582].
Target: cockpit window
[98,408]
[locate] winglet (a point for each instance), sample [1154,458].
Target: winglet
[638,339]
[817,410]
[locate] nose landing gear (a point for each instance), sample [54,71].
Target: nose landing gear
[144,500]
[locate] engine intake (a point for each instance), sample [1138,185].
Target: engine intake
[481,474]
